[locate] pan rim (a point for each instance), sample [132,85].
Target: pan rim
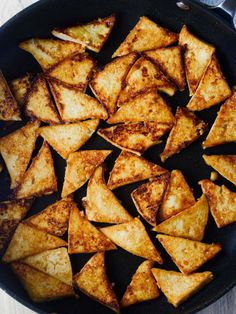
[41,4]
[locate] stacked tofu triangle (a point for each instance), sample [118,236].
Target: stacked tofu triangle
[130,92]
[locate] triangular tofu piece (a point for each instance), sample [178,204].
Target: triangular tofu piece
[16,149]
[101,204]
[28,241]
[49,52]
[11,213]
[144,75]
[224,128]
[135,292]
[197,57]
[39,286]
[93,281]
[135,137]
[75,70]
[146,107]
[39,103]
[67,138]
[212,88]
[40,178]
[55,263]
[224,164]
[132,237]
[92,35]
[80,166]
[108,82]
[9,110]
[20,88]
[178,196]
[147,197]
[170,62]
[130,168]
[178,287]
[73,105]
[187,129]
[83,237]
[222,202]
[188,255]
[146,35]
[181,225]
[54,218]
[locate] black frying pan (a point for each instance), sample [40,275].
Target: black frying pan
[38,20]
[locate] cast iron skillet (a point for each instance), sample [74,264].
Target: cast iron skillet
[38,20]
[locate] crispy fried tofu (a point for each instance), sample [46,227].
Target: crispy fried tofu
[222,202]
[67,138]
[54,218]
[130,168]
[49,52]
[16,149]
[187,129]
[108,82]
[73,105]
[144,75]
[92,35]
[39,104]
[132,237]
[146,35]
[28,241]
[83,237]
[20,88]
[93,281]
[178,287]
[188,255]
[170,62]
[178,196]
[80,167]
[142,286]
[146,107]
[197,57]
[40,178]
[212,88]
[75,70]
[224,128]
[135,137]
[39,286]
[11,213]
[9,110]
[147,197]
[101,204]
[189,223]
[55,263]
[224,164]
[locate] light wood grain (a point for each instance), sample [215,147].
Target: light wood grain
[226,305]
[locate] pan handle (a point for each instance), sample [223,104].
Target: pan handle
[224,7]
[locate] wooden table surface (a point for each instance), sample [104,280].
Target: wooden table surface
[226,305]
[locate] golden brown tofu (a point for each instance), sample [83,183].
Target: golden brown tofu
[188,255]
[146,35]
[83,237]
[222,202]
[40,178]
[16,149]
[93,281]
[132,237]
[130,168]
[187,129]
[101,204]
[80,166]
[142,286]
[92,35]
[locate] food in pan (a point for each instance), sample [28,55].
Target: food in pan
[133,94]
